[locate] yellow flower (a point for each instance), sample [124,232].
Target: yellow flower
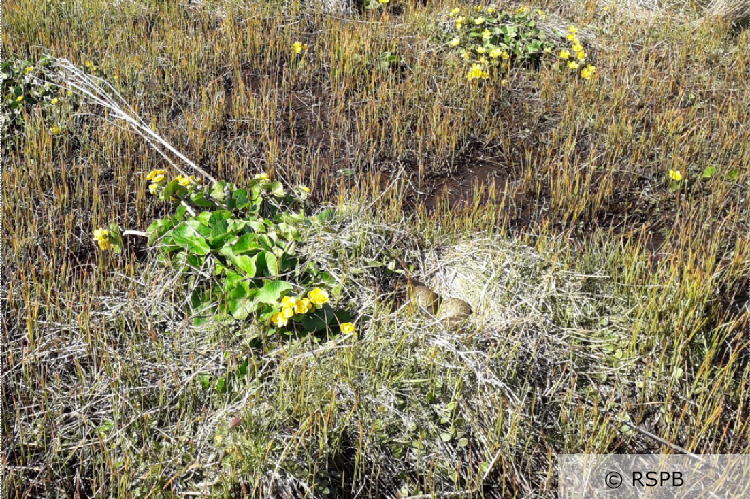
[288,302]
[539,12]
[581,55]
[573,65]
[490,10]
[347,328]
[302,306]
[675,175]
[504,56]
[572,37]
[479,20]
[504,82]
[318,296]
[304,188]
[547,50]
[588,71]
[287,312]
[564,54]
[279,320]
[185,181]
[460,19]
[486,34]
[521,10]
[573,29]
[577,47]
[478,8]
[299,47]
[153,188]
[482,60]
[455,11]
[495,53]
[19,98]
[477,72]
[481,50]
[101,236]
[55,130]
[454,42]
[261,176]
[384,1]
[29,69]
[54,101]
[156,175]
[465,55]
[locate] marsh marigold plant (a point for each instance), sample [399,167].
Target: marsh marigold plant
[506,37]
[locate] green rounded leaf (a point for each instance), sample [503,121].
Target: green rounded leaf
[272,263]
[272,291]
[247,264]
[245,244]
[187,237]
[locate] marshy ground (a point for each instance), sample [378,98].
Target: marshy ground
[610,300]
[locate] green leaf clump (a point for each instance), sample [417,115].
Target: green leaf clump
[238,245]
[498,38]
[26,89]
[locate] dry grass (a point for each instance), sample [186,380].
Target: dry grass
[605,301]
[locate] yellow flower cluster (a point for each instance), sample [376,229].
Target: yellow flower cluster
[588,71]
[576,46]
[261,176]
[187,181]
[496,52]
[291,306]
[477,72]
[478,48]
[298,47]
[157,178]
[102,237]
[580,54]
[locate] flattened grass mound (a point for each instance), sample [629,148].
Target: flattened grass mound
[410,405]
[736,12]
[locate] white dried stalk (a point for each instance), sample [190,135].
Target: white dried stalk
[99,91]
